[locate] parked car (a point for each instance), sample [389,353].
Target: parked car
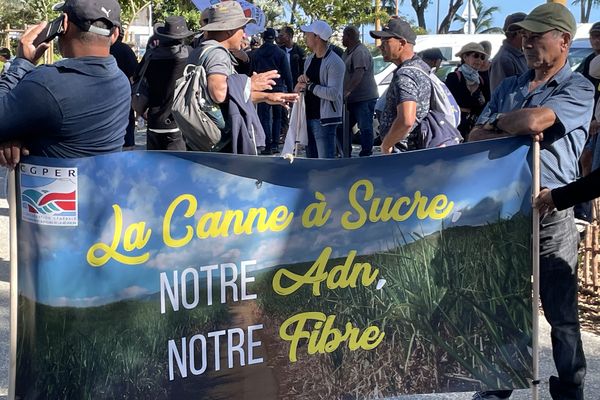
[580,49]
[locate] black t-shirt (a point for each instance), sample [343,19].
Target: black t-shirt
[312,102]
[126,59]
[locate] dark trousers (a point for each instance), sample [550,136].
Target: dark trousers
[270,118]
[558,292]
[361,113]
[165,141]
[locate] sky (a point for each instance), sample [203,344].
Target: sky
[474,176]
[506,7]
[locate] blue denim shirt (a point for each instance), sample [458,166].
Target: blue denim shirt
[76,107]
[571,96]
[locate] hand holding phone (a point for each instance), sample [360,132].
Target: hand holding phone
[52,30]
[26,49]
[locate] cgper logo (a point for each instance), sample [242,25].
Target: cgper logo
[48,195]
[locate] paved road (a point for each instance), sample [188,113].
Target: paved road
[591,342]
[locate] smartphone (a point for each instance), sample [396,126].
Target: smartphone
[52,30]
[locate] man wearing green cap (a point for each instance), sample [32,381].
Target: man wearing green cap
[554,105]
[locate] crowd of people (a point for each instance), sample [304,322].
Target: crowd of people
[82,108]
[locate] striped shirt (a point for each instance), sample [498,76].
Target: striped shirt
[571,97]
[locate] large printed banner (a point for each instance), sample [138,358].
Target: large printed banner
[157,275]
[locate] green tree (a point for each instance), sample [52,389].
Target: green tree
[453,7]
[485,16]
[338,13]
[585,7]
[19,13]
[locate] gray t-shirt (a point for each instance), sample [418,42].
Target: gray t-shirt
[407,85]
[357,58]
[218,61]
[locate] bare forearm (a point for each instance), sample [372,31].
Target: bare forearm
[527,121]
[479,133]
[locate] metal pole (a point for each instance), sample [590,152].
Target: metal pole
[469,17]
[437,17]
[12,210]
[535,390]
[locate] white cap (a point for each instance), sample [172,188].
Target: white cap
[319,28]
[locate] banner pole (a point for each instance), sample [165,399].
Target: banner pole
[536,273]
[12,209]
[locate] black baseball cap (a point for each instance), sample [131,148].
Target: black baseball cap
[513,19]
[397,28]
[84,13]
[595,27]
[269,34]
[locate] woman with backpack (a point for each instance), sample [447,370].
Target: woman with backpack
[471,92]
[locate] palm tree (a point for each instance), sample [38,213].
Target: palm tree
[483,22]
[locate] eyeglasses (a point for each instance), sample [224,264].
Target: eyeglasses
[477,55]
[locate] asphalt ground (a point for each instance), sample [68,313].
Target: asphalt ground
[591,342]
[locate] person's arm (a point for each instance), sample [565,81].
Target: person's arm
[406,115]
[217,87]
[582,190]
[27,57]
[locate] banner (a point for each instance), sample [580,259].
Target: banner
[165,275]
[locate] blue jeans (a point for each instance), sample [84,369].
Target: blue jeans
[361,113]
[558,292]
[321,139]
[270,119]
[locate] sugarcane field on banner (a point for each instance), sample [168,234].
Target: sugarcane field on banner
[210,276]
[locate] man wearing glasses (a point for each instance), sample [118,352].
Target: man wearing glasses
[408,97]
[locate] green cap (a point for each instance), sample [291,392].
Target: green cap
[547,17]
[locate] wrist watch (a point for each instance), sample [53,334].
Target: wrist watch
[493,121]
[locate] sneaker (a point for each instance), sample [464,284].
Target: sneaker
[266,152]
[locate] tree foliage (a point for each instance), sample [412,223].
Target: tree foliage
[453,7]
[485,17]
[585,7]
[19,13]
[338,13]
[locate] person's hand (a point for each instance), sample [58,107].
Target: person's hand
[538,137]
[303,79]
[387,147]
[10,154]
[26,49]
[263,81]
[300,87]
[544,202]
[282,99]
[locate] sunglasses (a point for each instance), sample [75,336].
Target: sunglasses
[477,55]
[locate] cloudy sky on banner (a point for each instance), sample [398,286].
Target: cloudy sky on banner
[483,184]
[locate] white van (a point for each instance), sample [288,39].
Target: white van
[449,44]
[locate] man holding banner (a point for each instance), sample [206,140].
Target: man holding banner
[555,105]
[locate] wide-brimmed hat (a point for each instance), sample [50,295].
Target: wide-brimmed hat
[224,16]
[397,28]
[548,17]
[471,48]
[174,27]
[319,28]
